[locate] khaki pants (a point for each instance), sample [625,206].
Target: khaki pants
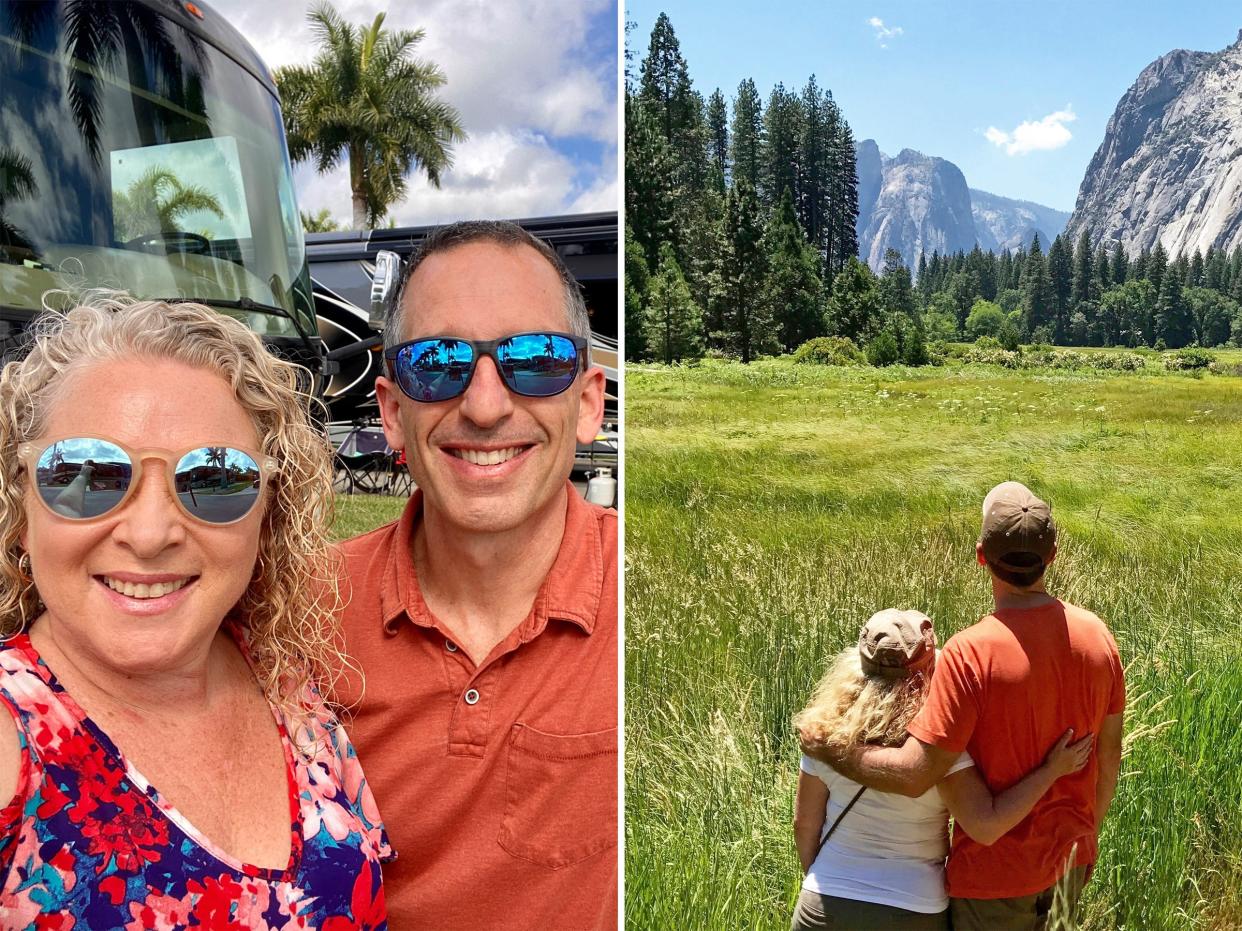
[816,912]
[1054,909]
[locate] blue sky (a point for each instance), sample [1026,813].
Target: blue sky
[937,76]
[534,81]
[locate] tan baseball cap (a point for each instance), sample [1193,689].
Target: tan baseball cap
[1015,521]
[896,643]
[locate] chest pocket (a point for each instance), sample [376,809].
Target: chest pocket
[560,796]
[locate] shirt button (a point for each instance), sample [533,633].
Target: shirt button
[450,646]
[472,697]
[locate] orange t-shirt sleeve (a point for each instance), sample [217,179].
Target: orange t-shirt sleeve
[951,711]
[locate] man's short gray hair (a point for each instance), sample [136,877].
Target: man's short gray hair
[502,233]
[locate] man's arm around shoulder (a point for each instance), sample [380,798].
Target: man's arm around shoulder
[910,769]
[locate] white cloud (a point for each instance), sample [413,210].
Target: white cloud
[883,33]
[526,77]
[1034,135]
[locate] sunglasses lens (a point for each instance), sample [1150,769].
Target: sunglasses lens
[217,484]
[81,478]
[434,369]
[538,365]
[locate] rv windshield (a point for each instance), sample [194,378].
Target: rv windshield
[135,156]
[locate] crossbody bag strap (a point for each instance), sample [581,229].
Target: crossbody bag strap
[844,811]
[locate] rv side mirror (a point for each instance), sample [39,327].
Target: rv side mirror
[383,287]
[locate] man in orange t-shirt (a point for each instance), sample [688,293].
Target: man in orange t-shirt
[1005,690]
[485,619]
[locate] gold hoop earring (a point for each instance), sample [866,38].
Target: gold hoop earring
[23,565]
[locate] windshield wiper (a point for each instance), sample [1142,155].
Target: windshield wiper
[243,303]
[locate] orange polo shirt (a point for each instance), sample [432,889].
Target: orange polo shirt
[498,782]
[1005,690]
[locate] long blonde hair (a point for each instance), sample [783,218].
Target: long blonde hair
[851,709]
[289,607]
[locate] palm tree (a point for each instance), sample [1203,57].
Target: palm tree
[156,202]
[16,183]
[366,98]
[321,222]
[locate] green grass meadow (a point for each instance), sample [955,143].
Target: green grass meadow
[357,514]
[771,508]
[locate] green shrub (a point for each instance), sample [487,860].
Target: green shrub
[994,356]
[915,351]
[882,350]
[829,350]
[987,342]
[1008,336]
[1184,360]
[1226,368]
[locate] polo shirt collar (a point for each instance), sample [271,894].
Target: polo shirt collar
[571,591]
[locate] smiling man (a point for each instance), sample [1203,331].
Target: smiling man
[484,620]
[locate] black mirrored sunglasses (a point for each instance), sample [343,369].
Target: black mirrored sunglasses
[533,365]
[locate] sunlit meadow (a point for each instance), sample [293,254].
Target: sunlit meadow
[771,508]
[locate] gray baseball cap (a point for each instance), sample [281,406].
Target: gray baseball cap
[895,644]
[1015,521]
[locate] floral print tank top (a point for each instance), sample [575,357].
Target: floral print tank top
[88,844]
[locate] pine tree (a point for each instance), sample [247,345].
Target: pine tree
[1120,267]
[673,325]
[752,331]
[637,279]
[1194,274]
[1004,272]
[843,208]
[816,167]
[1215,268]
[718,141]
[981,265]
[650,201]
[794,288]
[1103,271]
[664,86]
[1083,288]
[855,310]
[782,125]
[1174,322]
[1037,318]
[897,293]
[1061,277]
[1157,265]
[747,142]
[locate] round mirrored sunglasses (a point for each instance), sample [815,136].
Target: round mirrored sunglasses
[82,478]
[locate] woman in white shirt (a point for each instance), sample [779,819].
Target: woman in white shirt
[875,860]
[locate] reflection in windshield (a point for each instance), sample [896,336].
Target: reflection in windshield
[16,183]
[138,157]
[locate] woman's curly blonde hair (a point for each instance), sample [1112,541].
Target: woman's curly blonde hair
[852,709]
[288,609]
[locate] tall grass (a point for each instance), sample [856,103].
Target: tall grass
[771,509]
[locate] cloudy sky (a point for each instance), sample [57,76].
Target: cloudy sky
[535,83]
[1017,95]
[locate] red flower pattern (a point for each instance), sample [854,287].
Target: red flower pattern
[95,827]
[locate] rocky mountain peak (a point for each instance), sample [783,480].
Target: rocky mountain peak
[917,203]
[1167,167]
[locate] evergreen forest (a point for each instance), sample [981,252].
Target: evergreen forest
[740,241]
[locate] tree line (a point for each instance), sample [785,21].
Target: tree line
[739,214]
[1084,294]
[740,239]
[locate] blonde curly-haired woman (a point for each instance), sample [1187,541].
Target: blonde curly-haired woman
[166,604]
[875,860]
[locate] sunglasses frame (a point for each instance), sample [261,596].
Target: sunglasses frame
[31,451]
[487,347]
